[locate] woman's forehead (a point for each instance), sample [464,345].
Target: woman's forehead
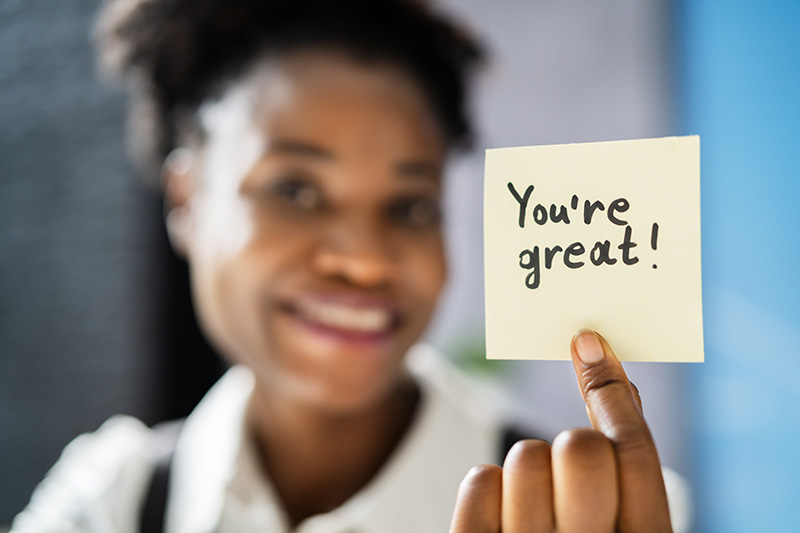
[321,93]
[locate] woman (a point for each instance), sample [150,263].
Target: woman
[301,146]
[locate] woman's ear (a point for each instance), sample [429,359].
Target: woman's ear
[178,186]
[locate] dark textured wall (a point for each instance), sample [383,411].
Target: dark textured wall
[87,291]
[71,326]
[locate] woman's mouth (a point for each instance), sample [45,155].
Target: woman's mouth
[348,320]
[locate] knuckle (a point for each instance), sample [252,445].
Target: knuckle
[579,438]
[585,446]
[602,377]
[528,454]
[481,476]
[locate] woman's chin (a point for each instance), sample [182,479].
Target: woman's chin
[343,368]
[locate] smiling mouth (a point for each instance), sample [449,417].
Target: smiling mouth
[346,319]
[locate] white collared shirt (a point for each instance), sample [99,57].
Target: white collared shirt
[216,484]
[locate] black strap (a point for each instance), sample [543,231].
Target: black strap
[154,506]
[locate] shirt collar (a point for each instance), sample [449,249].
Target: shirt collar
[206,454]
[216,483]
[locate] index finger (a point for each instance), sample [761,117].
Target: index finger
[613,410]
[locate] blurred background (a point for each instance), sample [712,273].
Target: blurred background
[94,310]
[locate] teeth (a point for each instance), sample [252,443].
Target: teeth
[363,319]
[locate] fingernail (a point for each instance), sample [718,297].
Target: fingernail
[588,346]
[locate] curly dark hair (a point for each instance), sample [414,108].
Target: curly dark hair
[173,55]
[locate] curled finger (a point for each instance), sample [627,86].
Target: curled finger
[585,491]
[478,502]
[527,488]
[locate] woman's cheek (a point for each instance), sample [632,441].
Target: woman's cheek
[427,265]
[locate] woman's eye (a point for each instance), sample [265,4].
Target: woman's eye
[416,212]
[297,193]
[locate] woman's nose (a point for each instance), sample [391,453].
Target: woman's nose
[358,253]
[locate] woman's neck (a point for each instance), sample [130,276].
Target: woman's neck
[315,459]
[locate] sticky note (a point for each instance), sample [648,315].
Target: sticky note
[604,236]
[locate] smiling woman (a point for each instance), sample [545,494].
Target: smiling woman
[316,257]
[301,146]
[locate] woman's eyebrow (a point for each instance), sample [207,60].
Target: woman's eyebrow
[419,169]
[301,148]
[412,169]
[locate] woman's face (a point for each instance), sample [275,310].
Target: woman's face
[314,236]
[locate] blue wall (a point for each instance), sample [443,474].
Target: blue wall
[740,70]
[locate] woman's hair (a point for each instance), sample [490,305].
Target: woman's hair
[174,55]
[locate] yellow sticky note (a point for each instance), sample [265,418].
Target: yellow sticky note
[601,235]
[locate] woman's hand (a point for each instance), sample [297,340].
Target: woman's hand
[601,479]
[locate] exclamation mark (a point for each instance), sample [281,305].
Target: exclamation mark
[654,239]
